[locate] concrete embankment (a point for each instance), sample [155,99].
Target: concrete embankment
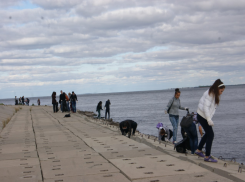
[39,145]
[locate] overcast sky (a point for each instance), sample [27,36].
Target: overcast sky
[100,46]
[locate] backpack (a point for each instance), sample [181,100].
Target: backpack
[182,145]
[159,125]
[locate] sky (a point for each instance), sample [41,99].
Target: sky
[102,46]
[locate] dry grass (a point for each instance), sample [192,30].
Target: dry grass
[17,109]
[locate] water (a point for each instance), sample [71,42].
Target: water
[147,109]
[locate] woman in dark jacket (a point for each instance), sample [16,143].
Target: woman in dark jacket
[99,107]
[54,102]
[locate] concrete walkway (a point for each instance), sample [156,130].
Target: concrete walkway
[39,145]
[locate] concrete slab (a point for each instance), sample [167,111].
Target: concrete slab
[108,177]
[27,178]
[97,141]
[67,154]
[61,144]
[147,167]
[86,160]
[21,171]
[200,177]
[119,147]
[131,153]
[19,162]
[21,155]
[55,172]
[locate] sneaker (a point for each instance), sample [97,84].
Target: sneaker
[200,154]
[210,159]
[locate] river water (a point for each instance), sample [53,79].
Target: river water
[147,109]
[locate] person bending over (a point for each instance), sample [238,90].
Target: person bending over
[164,132]
[127,126]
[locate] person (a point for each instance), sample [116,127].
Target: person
[27,101]
[67,102]
[54,102]
[23,100]
[16,100]
[38,102]
[69,95]
[205,111]
[73,101]
[107,108]
[62,101]
[98,108]
[127,126]
[192,135]
[173,110]
[20,100]
[163,132]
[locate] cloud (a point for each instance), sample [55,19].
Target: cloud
[132,43]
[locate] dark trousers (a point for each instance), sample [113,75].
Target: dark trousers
[192,135]
[207,137]
[54,107]
[107,111]
[170,133]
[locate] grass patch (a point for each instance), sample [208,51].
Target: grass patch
[33,105]
[2,104]
[17,109]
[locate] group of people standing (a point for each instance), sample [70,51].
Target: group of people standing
[24,101]
[205,111]
[107,109]
[67,102]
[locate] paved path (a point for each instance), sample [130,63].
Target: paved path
[38,145]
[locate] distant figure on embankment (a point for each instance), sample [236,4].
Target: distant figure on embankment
[205,111]
[127,126]
[38,102]
[99,108]
[54,102]
[107,108]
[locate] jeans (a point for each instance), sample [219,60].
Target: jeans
[99,113]
[67,106]
[207,137]
[54,107]
[107,111]
[74,106]
[174,119]
[193,138]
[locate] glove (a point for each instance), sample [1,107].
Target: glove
[166,112]
[210,123]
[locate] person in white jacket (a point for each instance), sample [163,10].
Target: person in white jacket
[206,109]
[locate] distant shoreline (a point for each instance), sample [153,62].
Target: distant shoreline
[201,86]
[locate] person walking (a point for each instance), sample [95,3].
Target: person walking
[173,110]
[107,108]
[127,126]
[98,108]
[54,102]
[205,111]
[73,101]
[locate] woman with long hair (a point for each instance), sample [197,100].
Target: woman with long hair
[173,110]
[206,109]
[98,108]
